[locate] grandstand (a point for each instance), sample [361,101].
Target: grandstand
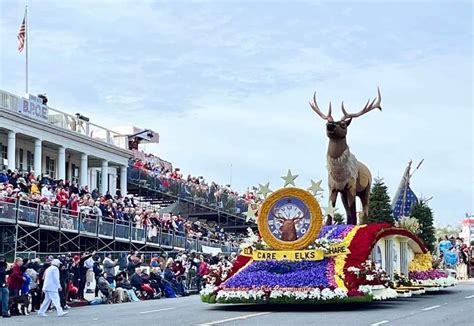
[59,146]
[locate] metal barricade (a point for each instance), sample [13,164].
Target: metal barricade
[191,244]
[28,212]
[69,221]
[8,210]
[106,229]
[153,235]
[179,240]
[138,234]
[89,224]
[49,216]
[166,238]
[122,230]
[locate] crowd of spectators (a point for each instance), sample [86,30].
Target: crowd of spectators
[169,179]
[108,279]
[54,195]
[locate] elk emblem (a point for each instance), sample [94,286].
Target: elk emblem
[288,225]
[346,175]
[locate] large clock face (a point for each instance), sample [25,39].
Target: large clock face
[289,219]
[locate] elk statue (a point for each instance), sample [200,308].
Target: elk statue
[346,175]
[288,226]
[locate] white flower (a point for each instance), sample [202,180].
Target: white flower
[327,294]
[367,289]
[208,289]
[369,277]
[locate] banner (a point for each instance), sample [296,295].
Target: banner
[296,255]
[211,250]
[33,108]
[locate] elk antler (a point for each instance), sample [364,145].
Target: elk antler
[278,217]
[298,218]
[369,106]
[314,106]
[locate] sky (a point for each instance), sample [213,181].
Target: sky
[227,84]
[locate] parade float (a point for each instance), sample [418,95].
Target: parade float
[294,259]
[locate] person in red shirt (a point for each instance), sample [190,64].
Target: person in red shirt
[15,282]
[74,203]
[62,197]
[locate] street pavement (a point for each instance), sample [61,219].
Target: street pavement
[452,306]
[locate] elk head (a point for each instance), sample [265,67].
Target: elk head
[288,226]
[338,129]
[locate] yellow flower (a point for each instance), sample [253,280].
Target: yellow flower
[421,263]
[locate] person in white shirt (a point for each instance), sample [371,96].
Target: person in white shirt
[51,286]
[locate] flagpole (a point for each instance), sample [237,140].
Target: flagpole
[26,40]
[407,182]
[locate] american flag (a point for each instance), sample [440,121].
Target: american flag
[22,35]
[405,198]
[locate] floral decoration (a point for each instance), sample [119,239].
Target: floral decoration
[421,263]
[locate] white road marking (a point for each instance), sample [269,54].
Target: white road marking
[379,323]
[432,307]
[470,296]
[235,318]
[157,310]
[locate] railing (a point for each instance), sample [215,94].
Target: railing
[28,212]
[69,221]
[69,122]
[180,188]
[8,209]
[32,213]
[49,216]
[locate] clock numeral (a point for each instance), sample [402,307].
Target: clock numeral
[275,231]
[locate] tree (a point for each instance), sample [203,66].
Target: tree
[338,218]
[423,213]
[380,210]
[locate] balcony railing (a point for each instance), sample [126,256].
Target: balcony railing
[69,122]
[223,202]
[34,214]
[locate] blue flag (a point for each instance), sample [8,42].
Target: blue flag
[405,198]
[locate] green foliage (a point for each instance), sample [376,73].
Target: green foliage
[338,219]
[380,210]
[424,215]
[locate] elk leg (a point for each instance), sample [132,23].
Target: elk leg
[364,198]
[352,214]
[332,201]
[346,206]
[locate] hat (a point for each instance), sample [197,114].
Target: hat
[56,262]
[49,259]
[21,180]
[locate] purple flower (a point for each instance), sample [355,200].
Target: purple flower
[282,274]
[428,275]
[333,232]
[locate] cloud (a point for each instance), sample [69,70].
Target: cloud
[229,83]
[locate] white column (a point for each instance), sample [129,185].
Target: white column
[83,173]
[123,180]
[11,149]
[104,177]
[38,157]
[62,163]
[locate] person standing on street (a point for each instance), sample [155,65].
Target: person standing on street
[51,288]
[4,293]
[109,267]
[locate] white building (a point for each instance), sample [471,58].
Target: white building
[36,137]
